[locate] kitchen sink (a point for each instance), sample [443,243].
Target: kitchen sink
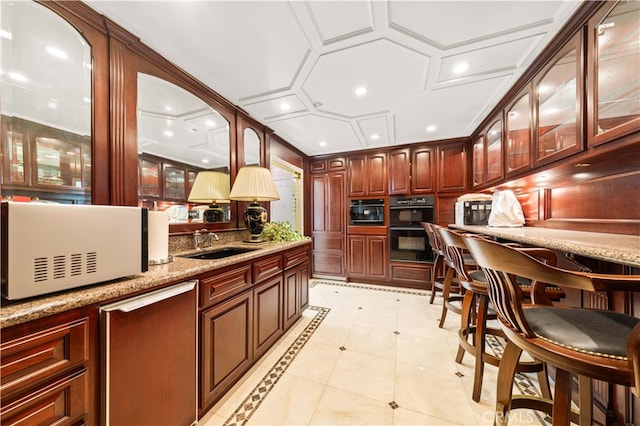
[219,253]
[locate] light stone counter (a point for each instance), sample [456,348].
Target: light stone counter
[180,269]
[616,248]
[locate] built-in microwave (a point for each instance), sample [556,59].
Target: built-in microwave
[366,212]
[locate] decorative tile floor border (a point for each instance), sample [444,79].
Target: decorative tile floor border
[242,414]
[370,287]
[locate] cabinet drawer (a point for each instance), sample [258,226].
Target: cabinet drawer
[224,285]
[42,355]
[267,268]
[62,402]
[293,258]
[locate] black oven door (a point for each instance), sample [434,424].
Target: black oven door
[409,245]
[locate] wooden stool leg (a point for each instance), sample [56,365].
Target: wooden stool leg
[468,303]
[586,404]
[445,294]
[437,270]
[543,381]
[562,398]
[506,373]
[481,326]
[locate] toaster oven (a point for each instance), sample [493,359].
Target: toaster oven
[48,247]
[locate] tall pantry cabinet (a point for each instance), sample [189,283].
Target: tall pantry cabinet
[328,177]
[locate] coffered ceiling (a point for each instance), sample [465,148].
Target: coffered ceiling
[296,65]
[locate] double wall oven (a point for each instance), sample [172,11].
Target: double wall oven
[407,239]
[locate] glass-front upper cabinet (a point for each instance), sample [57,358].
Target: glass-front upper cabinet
[46,106]
[518,135]
[614,80]
[558,104]
[493,137]
[478,161]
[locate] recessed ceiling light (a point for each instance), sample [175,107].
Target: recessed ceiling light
[53,104]
[431,128]
[375,136]
[6,34]
[167,108]
[285,106]
[361,91]
[205,161]
[323,143]
[210,123]
[461,67]
[168,133]
[86,99]
[582,164]
[54,51]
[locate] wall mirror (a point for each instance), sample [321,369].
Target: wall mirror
[251,148]
[179,135]
[46,106]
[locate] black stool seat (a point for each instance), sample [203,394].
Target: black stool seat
[591,331]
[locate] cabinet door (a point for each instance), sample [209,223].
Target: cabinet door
[423,170]
[478,161]
[303,287]
[175,185]
[377,257]
[267,315]
[15,149]
[452,167]
[226,346]
[613,56]
[291,306]
[335,203]
[149,178]
[357,176]
[320,194]
[558,106]
[357,256]
[493,137]
[518,135]
[376,174]
[399,174]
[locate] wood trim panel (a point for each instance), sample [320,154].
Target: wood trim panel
[221,286]
[266,268]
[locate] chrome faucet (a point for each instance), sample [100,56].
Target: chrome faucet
[200,237]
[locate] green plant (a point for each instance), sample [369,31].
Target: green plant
[281,231]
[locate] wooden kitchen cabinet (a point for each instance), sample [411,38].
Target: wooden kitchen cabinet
[452,167]
[399,172]
[423,168]
[558,105]
[613,54]
[267,314]
[296,285]
[518,134]
[328,223]
[368,257]
[48,370]
[477,153]
[226,345]
[367,175]
[493,146]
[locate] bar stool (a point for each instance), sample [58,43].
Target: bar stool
[588,343]
[452,292]
[476,305]
[437,273]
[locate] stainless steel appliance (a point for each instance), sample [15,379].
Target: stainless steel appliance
[50,247]
[150,358]
[407,239]
[366,212]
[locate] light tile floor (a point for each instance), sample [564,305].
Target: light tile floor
[366,355]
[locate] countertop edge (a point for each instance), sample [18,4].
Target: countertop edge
[181,268]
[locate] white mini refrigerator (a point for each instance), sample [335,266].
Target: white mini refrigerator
[150,358]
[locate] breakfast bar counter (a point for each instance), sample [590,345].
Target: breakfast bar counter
[616,248]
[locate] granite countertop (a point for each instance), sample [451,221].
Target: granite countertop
[181,268]
[616,248]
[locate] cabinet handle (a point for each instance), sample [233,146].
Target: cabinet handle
[138,302]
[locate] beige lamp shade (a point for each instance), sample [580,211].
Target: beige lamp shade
[254,183]
[210,187]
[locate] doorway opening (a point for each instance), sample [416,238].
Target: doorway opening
[288,180]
